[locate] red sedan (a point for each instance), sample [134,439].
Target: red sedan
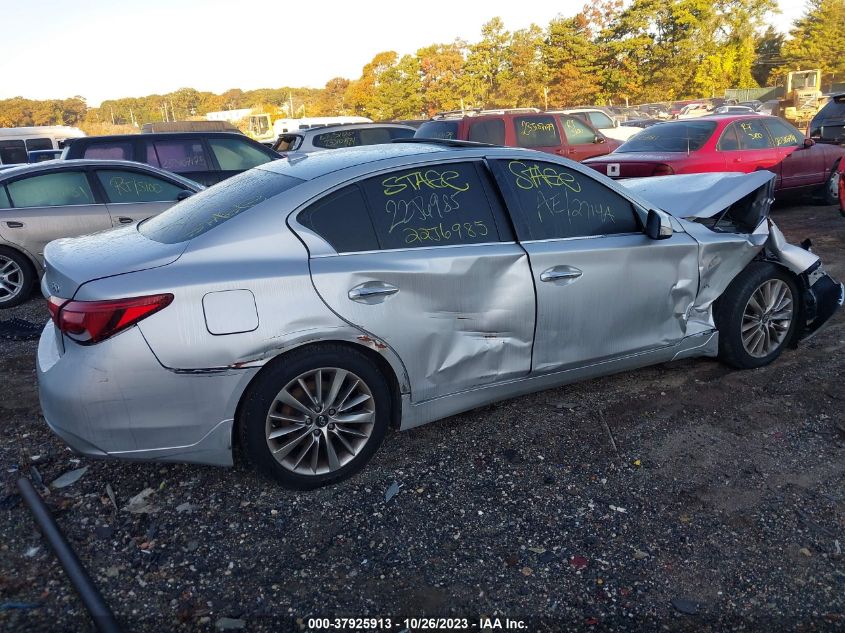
[743,143]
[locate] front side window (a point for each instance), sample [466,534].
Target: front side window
[577,132]
[432,205]
[375,135]
[536,131]
[178,156]
[783,134]
[131,186]
[12,152]
[110,151]
[58,189]
[490,131]
[752,134]
[342,219]
[4,198]
[438,129]
[236,155]
[553,202]
[288,142]
[600,120]
[214,206]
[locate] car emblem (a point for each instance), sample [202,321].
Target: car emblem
[55,287]
[613,169]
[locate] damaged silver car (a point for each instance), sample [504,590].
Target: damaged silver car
[304,306]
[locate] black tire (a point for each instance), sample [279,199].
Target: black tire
[730,310]
[261,396]
[830,194]
[23,275]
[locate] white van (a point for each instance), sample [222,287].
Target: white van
[17,142]
[283,126]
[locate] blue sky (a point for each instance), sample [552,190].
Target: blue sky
[104,49]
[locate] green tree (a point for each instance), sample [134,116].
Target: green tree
[817,40]
[569,56]
[486,65]
[767,54]
[441,76]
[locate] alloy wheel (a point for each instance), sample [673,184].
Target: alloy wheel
[11,279]
[767,317]
[320,421]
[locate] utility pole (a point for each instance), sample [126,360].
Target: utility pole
[546,97]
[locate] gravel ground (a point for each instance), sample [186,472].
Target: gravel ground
[718,503]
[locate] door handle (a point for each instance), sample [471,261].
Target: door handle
[560,273]
[125,220]
[372,292]
[14,225]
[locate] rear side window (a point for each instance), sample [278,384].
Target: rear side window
[336,139]
[12,152]
[431,206]
[577,132]
[33,144]
[783,134]
[214,206]
[536,131]
[554,202]
[110,151]
[375,136]
[342,219]
[398,132]
[181,156]
[752,134]
[490,131]
[438,129]
[131,186]
[51,190]
[236,155]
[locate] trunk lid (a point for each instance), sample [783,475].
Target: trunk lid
[634,164]
[71,262]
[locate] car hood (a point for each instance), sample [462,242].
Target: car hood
[71,262]
[699,195]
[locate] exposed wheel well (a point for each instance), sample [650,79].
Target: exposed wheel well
[378,360]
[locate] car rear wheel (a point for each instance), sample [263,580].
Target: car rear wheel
[315,417]
[16,278]
[756,316]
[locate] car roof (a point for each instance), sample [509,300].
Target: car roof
[152,135]
[346,126]
[62,164]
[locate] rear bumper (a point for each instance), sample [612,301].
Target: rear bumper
[115,399]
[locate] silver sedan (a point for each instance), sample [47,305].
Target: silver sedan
[303,307]
[48,200]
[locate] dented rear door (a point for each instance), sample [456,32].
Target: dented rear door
[442,282]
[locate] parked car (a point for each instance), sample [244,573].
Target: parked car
[205,157]
[17,142]
[642,123]
[312,302]
[771,107]
[734,109]
[841,185]
[49,200]
[341,135]
[694,110]
[828,125]
[602,122]
[561,134]
[743,143]
[754,104]
[40,155]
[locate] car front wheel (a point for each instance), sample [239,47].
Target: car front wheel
[315,417]
[756,316]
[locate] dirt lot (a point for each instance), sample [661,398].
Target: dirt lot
[721,507]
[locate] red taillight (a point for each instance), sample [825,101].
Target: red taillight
[662,169]
[89,322]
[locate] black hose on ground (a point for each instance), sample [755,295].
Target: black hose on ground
[92,599]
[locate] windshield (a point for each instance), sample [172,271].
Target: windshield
[671,137]
[438,129]
[213,206]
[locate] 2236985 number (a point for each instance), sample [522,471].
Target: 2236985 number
[439,233]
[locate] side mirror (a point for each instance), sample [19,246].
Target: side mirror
[808,142]
[183,194]
[599,139]
[658,226]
